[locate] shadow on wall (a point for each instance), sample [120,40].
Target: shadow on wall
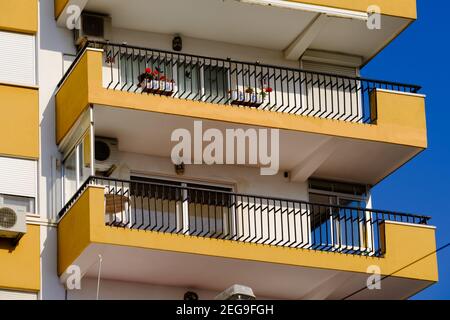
[53,43]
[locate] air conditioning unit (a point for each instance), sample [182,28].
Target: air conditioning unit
[106,155]
[94,27]
[12,224]
[237,292]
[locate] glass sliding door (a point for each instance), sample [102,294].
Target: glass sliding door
[188,80]
[338,217]
[70,176]
[76,167]
[216,84]
[181,207]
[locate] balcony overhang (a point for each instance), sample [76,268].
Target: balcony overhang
[339,150]
[275,25]
[408,265]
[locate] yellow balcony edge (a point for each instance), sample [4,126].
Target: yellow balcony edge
[403,245]
[265,253]
[60,5]
[401,118]
[398,8]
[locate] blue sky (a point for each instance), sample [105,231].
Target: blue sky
[420,56]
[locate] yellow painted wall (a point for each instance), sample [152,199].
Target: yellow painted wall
[404,244]
[60,5]
[411,251]
[400,8]
[20,265]
[72,99]
[19,16]
[77,224]
[401,117]
[19,121]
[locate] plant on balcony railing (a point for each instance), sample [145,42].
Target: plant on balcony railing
[154,81]
[250,97]
[295,91]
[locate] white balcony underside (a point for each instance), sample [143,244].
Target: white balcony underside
[217,273]
[251,25]
[303,154]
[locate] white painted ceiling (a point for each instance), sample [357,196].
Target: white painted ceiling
[230,21]
[216,273]
[227,21]
[352,161]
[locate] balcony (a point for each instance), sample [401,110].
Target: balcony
[289,27]
[228,82]
[338,122]
[167,233]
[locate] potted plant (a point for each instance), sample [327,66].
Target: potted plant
[249,96]
[154,81]
[265,91]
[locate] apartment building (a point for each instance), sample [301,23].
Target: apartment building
[93,204]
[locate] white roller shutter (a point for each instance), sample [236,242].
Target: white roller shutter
[17,58]
[18,177]
[329,68]
[17,295]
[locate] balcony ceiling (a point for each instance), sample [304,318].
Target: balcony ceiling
[303,154]
[216,273]
[251,25]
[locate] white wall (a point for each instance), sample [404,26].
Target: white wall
[119,290]
[201,47]
[52,43]
[244,179]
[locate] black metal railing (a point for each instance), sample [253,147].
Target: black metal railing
[241,217]
[230,82]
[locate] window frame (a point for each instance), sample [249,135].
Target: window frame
[365,229]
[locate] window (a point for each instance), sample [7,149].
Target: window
[18,184]
[17,58]
[19,204]
[188,80]
[76,167]
[337,214]
[17,295]
[70,176]
[337,96]
[173,205]
[215,84]
[338,187]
